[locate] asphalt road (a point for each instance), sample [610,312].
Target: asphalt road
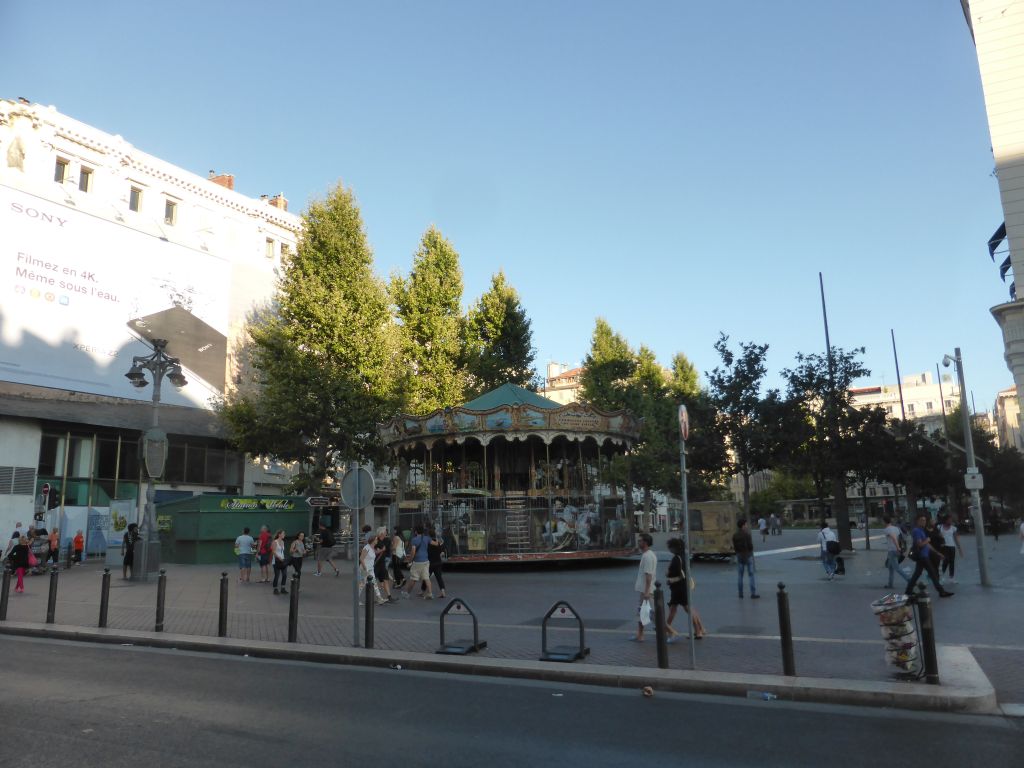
[112,706]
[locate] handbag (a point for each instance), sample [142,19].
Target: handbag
[833,547]
[33,561]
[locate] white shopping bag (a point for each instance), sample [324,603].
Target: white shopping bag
[645,612]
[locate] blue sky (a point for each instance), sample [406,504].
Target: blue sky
[679,168]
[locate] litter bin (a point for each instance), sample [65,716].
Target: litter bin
[899,628]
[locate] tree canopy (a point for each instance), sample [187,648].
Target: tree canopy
[498,339]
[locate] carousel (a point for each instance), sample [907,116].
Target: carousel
[513,476]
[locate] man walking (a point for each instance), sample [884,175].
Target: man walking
[743,545]
[830,547]
[419,569]
[323,542]
[920,552]
[893,550]
[644,578]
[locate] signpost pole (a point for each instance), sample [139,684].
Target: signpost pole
[357,548]
[684,432]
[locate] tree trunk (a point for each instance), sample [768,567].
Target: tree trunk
[911,502]
[746,493]
[841,512]
[648,517]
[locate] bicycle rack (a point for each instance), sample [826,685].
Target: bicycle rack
[561,611]
[460,647]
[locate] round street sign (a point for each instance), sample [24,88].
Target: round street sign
[349,494]
[684,423]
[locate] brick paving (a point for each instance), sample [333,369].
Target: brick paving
[837,635]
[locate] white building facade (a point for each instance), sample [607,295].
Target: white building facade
[104,249]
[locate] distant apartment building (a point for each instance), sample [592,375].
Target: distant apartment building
[1007,418]
[923,399]
[562,383]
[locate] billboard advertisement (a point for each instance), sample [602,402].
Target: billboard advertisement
[80,295]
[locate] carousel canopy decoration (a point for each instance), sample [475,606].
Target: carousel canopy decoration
[514,413]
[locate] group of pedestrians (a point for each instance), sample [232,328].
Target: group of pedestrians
[676,577]
[271,552]
[933,548]
[383,558]
[28,551]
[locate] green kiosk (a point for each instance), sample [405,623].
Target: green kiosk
[201,530]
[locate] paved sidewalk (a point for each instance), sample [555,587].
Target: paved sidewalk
[837,636]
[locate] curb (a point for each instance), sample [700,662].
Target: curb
[965,687]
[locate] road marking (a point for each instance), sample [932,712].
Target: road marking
[801,548]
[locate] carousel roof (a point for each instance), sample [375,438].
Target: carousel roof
[508,394]
[514,413]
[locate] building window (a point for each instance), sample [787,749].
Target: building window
[135,199]
[949,405]
[85,179]
[929,406]
[269,250]
[910,409]
[60,171]
[170,212]
[888,410]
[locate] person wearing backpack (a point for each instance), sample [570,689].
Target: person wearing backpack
[324,541]
[830,547]
[895,550]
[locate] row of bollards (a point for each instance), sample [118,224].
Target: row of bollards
[921,602]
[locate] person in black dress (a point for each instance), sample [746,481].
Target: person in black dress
[676,577]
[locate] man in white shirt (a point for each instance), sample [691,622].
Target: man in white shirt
[828,554]
[243,546]
[893,550]
[645,577]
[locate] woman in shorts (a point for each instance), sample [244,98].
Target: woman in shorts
[676,577]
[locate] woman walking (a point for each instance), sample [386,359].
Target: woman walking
[676,577]
[297,551]
[277,551]
[435,550]
[398,556]
[19,561]
[950,546]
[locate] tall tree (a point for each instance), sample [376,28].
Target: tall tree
[429,304]
[818,388]
[499,339]
[684,382]
[607,368]
[735,389]
[321,363]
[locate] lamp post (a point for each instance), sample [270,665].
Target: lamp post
[154,444]
[972,480]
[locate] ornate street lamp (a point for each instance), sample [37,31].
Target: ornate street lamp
[154,447]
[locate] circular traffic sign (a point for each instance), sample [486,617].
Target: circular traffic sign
[684,422]
[357,488]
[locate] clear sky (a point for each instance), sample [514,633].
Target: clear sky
[679,168]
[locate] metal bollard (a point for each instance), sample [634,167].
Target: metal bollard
[786,632]
[51,601]
[931,658]
[104,598]
[222,618]
[293,611]
[161,596]
[660,633]
[5,595]
[369,600]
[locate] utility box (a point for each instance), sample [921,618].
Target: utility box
[201,530]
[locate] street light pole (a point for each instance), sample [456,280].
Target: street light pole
[972,468]
[159,364]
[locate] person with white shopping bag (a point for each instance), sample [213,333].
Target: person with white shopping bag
[645,583]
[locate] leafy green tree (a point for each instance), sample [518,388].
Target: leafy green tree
[684,382]
[499,339]
[607,368]
[430,313]
[1004,479]
[818,391]
[320,367]
[743,414]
